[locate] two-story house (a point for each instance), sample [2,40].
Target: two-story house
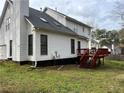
[27,34]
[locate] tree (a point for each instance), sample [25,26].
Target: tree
[100,34]
[107,37]
[118,11]
[121,36]
[113,37]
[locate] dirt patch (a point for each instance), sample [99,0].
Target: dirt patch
[5,92]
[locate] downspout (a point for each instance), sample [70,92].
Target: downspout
[35,48]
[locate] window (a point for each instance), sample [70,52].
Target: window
[8,20]
[72,46]
[10,47]
[75,28]
[89,31]
[83,29]
[44,20]
[79,46]
[43,44]
[30,45]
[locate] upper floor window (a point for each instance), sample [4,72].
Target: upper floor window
[89,31]
[83,29]
[75,28]
[8,21]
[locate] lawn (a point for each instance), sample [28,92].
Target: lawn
[70,79]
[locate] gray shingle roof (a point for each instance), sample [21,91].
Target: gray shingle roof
[50,24]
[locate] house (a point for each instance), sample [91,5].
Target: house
[107,47]
[119,49]
[27,34]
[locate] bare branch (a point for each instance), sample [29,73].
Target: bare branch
[119,10]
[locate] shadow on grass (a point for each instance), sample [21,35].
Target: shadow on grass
[109,66]
[112,65]
[3,90]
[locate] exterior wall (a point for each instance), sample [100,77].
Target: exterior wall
[30,30]
[57,42]
[21,9]
[2,34]
[84,43]
[20,29]
[57,16]
[94,44]
[3,52]
[79,29]
[6,35]
[73,26]
[117,51]
[17,32]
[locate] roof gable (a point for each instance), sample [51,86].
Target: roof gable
[7,2]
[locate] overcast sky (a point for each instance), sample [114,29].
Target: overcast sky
[97,12]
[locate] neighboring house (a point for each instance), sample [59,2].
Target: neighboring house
[108,47]
[119,49]
[94,44]
[27,34]
[114,50]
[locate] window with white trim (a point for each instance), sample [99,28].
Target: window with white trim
[43,44]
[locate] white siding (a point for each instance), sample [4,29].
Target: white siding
[21,9]
[79,29]
[30,31]
[6,35]
[3,52]
[72,25]
[56,42]
[20,29]
[56,16]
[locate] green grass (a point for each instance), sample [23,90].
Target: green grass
[70,79]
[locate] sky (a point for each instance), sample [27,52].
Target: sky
[97,13]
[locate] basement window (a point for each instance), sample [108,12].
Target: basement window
[44,20]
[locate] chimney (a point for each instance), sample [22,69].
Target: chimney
[56,8]
[22,7]
[41,9]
